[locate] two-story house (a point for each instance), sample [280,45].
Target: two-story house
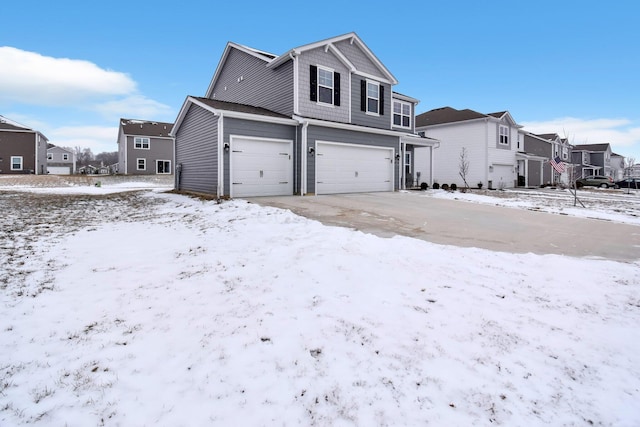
[547,146]
[145,147]
[490,143]
[617,166]
[61,161]
[318,119]
[22,150]
[592,159]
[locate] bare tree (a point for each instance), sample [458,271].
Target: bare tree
[629,163]
[463,166]
[107,158]
[83,155]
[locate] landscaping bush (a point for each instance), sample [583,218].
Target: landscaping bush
[454,187]
[445,187]
[436,186]
[424,186]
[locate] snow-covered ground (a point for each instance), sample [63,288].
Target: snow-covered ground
[146,308]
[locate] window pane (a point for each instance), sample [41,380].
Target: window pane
[406,109]
[406,121]
[325,95]
[372,90]
[397,107]
[397,120]
[372,105]
[325,78]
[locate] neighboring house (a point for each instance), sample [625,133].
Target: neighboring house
[548,146]
[490,142]
[22,150]
[95,167]
[592,159]
[321,118]
[617,166]
[61,161]
[533,160]
[145,147]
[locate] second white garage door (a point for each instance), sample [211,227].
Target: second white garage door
[261,167]
[349,168]
[59,170]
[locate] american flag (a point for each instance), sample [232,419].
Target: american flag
[557,164]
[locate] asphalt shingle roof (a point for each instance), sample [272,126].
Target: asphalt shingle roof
[145,127]
[446,115]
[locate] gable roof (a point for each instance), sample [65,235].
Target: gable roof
[446,115]
[273,61]
[145,127]
[591,147]
[239,108]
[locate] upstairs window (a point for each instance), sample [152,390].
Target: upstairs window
[324,85]
[141,143]
[65,157]
[373,97]
[401,114]
[49,156]
[504,135]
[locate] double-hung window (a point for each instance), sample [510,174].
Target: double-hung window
[65,157]
[325,86]
[141,164]
[373,97]
[504,135]
[16,163]
[401,114]
[141,143]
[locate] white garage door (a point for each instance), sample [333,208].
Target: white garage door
[503,176]
[347,168]
[59,170]
[261,167]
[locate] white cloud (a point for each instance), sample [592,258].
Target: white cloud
[32,78]
[135,107]
[98,138]
[623,134]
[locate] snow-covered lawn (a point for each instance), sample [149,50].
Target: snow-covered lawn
[146,308]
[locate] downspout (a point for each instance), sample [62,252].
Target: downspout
[303,159]
[220,189]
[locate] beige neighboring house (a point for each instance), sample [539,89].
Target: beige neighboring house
[145,148]
[61,161]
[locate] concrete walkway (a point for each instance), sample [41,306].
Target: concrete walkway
[468,224]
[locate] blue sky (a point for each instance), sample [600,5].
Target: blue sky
[71,69]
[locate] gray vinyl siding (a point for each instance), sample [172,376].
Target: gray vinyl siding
[359,117]
[315,133]
[240,127]
[356,56]
[197,151]
[159,149]
[313,109]
[246,79]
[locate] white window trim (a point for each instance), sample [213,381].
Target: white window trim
[49,156]
[144,161]
[21,163]
[163,173]
[142,141]
[506,134]
[402,103]
[332,87]
[366,109]
[65,156]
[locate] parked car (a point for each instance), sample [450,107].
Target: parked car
[629,183]
[595,181]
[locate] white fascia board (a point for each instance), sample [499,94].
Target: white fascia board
[342,58]
[530,156]
[227,49]
[245,116]
[404,98]
[290,54]
[372,77]
[183,111]
[417,140]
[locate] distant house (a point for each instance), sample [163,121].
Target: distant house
[22,150]
[490,142]
[61,161]
[321,118]
[617,166]
[548,146]
[592,159]
[145,147]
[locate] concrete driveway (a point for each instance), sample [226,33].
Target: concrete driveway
[467,224]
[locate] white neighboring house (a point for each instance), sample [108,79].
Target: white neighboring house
[491,143]
[61,161]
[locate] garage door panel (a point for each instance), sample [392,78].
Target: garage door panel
[261,168]
[344,168]
[59,170]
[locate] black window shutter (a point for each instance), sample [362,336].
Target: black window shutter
[336,89]
[381,100]
[313,86]
[363,95]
